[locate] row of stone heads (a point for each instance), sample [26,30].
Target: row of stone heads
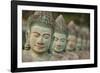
[70,35]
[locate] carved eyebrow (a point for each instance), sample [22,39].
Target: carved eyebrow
[36,33]
[63,39]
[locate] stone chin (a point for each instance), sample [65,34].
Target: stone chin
[39,50]
[58,49]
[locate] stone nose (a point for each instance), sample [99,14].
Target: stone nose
[40,39]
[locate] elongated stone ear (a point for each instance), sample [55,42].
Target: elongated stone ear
[24,22]
[27,44]
[27,32]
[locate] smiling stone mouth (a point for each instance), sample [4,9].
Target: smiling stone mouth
[58,46]
[40,46]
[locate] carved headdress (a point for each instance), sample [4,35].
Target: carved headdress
[60,24]
[71,27]
[43,17]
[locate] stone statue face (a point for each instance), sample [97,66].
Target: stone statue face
[59,42]
[40,38]
[71,42]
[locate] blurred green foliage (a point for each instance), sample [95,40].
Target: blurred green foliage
[81,19]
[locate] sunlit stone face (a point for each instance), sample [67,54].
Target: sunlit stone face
[40,38]
[71,42]
[59,42]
